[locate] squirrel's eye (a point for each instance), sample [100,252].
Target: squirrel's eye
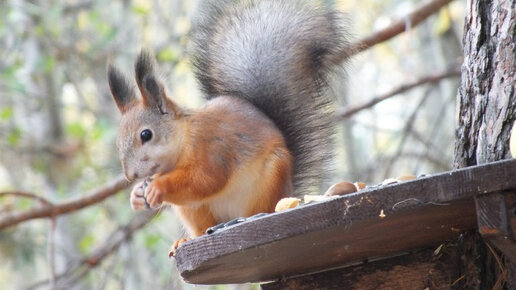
[145,135]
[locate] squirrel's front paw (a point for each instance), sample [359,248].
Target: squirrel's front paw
[137,198]
[153,195]
[174,247]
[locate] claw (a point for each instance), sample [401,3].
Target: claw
[144,186]
[174,247]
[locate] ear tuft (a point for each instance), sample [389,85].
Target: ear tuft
[151,88]
[144,66]
[121,90]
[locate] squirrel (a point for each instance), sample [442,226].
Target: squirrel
[265,131]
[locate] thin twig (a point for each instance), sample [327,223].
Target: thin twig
[51,252]
[438,162]
[409,126]
[502,278]
[78,7]
[458,280]
[53,210]
[405,23]
[429,79]
[23,194]
[429,146]
[95,258]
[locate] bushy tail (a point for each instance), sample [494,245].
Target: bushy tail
[276,54]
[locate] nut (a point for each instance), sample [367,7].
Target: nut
[144,186]
[286,203]
[314,198]
[405,177]
[360,185]
[389,181]
[341,188]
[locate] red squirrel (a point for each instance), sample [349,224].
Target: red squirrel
[264,132]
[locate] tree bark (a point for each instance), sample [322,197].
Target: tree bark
[486,111]
[487,101]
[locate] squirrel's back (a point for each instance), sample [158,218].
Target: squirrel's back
[276,54]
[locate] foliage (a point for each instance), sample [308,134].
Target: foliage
[58,122]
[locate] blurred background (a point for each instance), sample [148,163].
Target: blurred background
[58,125]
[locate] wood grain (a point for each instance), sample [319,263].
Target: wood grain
[344,230]
[496,219]
[425,269]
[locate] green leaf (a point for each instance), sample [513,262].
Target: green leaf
[18,87]
[109,34]
[86,243]
[39,30]
[152,240]
[167,54]
[6,113]
[25,204]
[8,72]
[76,130]
[103,28]
[94,16]
[46,64]
[100,130]
[13,138]
[141,9]
[53,19]
[50,63]
[97,133]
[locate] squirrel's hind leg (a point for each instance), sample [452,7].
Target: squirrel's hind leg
[197,219]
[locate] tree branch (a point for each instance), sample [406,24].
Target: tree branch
[115,240]
[407,22]
[409,127]
[27,195]
[430,79]
[50,210]
[78,7]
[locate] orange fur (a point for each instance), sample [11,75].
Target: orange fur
[196,218]
[233,161]
[262,66]
[223,161]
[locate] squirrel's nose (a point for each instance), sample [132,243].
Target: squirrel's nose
[130,174]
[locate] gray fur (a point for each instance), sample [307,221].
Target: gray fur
[276,54]
[143,67]
[151,89]
[120,87]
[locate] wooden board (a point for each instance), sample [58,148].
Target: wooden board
[496,216]
[433,268]
[455,265]
[345,230]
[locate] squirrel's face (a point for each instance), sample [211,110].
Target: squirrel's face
[151,130]
[148,142]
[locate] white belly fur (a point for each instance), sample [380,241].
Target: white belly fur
[243,192]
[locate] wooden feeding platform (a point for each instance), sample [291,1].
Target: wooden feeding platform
[369,225]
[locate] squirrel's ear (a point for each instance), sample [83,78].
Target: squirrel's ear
[153,92]
[121,90]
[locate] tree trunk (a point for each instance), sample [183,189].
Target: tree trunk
[486,111]
[487,101]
